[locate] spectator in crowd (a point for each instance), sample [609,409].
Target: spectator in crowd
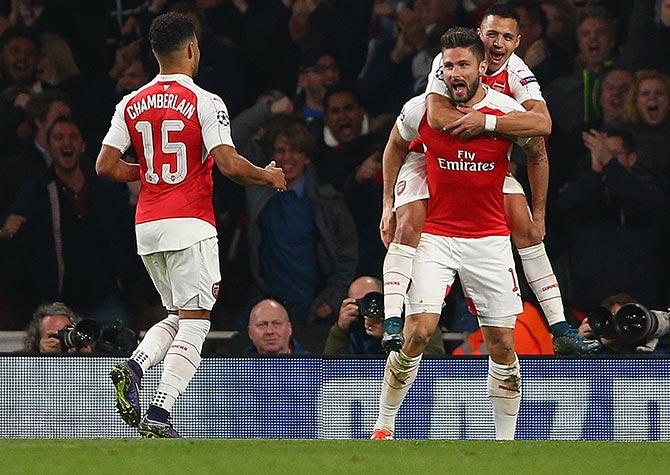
[356,333]
[573,100]
[648,36]
[613,93]
[613,209]
[539,53]
[20,55]
[340,28]
[270,331]
[318,70]
[561,26]
[350,160]
[47,321]
[70,232]
[13,125]
[344,141]
[32,158]
[646,116]
[302,243]
[400,57]
[56,66]
[220,69]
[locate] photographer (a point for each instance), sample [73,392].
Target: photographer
[360,324]
[624,326]
[43,335]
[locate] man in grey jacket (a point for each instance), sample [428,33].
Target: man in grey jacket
[302,243]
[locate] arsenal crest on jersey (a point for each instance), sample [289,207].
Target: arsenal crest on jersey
[215,289]
[498,86]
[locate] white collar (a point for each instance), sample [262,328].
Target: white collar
[330,139]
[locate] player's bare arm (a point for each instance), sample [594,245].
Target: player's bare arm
[242,171]
[393,158]
[111,166]
[538,176]
[441,112]
[534,122]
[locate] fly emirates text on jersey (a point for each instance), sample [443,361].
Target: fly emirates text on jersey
[465,163]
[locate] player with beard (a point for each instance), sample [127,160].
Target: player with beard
[508,74]
[465,233]
[178,131]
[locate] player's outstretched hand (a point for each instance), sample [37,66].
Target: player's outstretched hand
[471,124]
[277,178]
[387,226]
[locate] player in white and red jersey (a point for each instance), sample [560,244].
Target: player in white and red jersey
[465,232]
[506,73]
[178,131]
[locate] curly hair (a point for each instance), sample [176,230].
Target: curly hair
[631,115]
[169,32]
[31,343]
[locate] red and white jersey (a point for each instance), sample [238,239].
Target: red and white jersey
[172,125]
[465,176]
[514,79]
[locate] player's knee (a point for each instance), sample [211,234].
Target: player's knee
[527,235]
[417,341]
[408,232]
[501,351]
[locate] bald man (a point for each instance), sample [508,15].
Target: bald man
[354,334]
[270,331]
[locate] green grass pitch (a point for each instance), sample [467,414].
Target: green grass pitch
[321,457]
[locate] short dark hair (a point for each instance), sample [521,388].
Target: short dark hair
[31,342]
[18,32]
[340,88]
[503,10]
[169,32]
[61,120]
[533,10]
[460,37]
[39,104]
[601,13]
[626,136]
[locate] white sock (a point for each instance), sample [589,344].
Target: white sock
[504,383]
[397,272]
[181,362]
[156,342]
[399,374]
[542,281]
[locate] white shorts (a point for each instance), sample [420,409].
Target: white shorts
[412,182]
[512,187]
[485,267]
[187,279]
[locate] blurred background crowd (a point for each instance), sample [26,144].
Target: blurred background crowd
[316,85]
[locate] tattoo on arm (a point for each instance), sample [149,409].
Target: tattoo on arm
[536,151]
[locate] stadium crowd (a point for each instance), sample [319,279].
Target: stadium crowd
[315,85]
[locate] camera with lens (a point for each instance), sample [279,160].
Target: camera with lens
[632,326]
[79,335]
[371,306]
[116,340]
